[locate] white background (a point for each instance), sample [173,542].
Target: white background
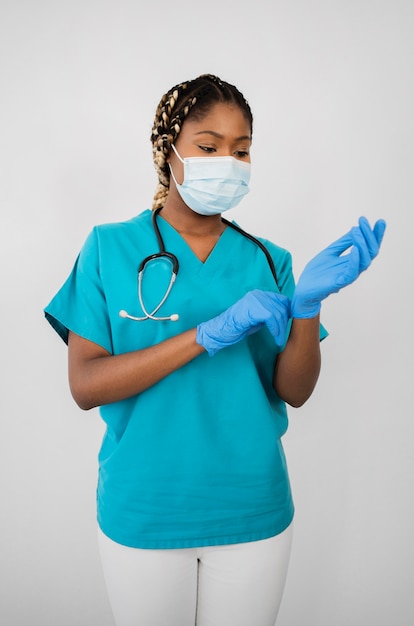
[331,87]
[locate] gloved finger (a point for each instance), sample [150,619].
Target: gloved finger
[280,316]
[351,268]
[364,253]
[277,324]
[253,329]
[271,300]
[255,308]
[379,230]
[339,246]
[277,307]
[370,237]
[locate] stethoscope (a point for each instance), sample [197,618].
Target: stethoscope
[172,259]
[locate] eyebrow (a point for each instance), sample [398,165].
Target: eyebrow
[219,136]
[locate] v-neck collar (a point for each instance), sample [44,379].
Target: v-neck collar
[175,242]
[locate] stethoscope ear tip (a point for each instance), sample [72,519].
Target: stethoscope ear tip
[174,317]
[123,313]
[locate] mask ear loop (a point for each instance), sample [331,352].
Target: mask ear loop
[175,151]
[169,165]
[172,176]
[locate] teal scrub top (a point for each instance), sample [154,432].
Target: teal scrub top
[196,459]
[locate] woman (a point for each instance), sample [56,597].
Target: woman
[192,376]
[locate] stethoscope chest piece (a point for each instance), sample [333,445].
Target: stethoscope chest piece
[145,265]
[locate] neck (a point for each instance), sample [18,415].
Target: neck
[184,220]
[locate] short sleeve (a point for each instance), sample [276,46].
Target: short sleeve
[80,304]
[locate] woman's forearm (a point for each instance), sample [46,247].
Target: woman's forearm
[97,377]
[298,366]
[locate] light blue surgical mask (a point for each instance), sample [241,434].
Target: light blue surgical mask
[213,185]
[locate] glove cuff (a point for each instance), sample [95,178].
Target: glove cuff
[304,310]
[205,341]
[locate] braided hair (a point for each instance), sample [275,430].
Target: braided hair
[191,99]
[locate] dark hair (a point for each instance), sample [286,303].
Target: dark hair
[187,100]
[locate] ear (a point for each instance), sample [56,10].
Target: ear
[171,154]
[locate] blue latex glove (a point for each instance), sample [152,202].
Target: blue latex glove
[254,310]
[331,270]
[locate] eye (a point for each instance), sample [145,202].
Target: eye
[241,154]
[207,149]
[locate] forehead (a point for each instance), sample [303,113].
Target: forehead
[223,118]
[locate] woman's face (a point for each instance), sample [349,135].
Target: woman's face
[223,131]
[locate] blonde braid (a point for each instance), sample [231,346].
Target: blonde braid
[165,131]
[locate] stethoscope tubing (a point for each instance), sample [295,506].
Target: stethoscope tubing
[151,315]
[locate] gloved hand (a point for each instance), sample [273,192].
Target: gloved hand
[331,270]
[254,310]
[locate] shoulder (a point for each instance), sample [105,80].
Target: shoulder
[111,233]
[280,256]
[274,249]
[142,221]
[282,260]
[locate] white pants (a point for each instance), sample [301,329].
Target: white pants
[234,585]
